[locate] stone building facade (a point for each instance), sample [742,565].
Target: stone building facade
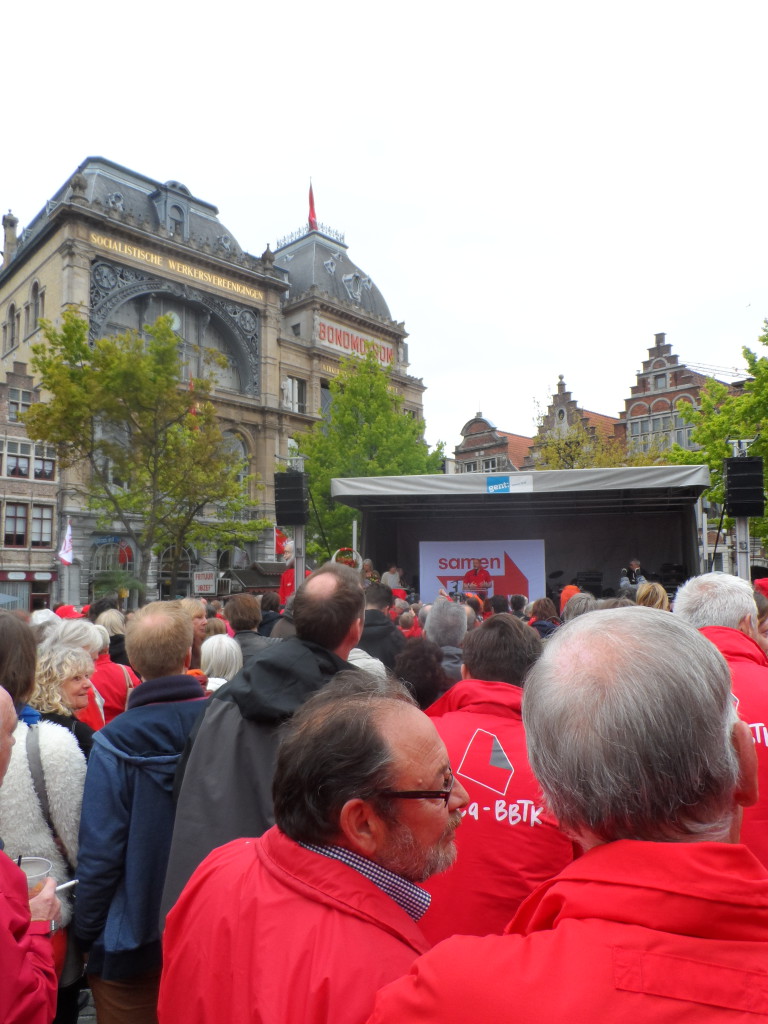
[123,249]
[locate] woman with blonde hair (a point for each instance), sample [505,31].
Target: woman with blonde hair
[652,595]
[195,609]
[62,685]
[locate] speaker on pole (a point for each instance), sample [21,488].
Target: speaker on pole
[744,493]
[291,499]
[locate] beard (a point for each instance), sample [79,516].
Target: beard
[403,855]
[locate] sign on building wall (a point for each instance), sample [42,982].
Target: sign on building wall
[346,342]
[515,566]
[205,582]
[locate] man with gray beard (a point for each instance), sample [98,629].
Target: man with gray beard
[307,921]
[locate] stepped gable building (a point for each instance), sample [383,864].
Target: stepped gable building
[650,413]
[484,449]
[562,414]
[122,249]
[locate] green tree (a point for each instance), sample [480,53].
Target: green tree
[723,415]
[148,451]
[366,434]
[578,448]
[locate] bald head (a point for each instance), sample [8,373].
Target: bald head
[329,607]
[629,719]
[158,639]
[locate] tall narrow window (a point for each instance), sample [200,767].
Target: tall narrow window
[15,525]
[36,313]
[13,338]
[42,526]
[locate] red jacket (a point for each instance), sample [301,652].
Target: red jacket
[27,978]
[109,679]
[749,674]
[506,846]
[266,932]
[662,933]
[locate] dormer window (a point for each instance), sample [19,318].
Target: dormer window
[176,222]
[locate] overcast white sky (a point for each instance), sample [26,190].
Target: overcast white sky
[536,188]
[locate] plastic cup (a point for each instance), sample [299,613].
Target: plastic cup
[37,870]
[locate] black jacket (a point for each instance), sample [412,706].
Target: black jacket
[226,791]
[381,638]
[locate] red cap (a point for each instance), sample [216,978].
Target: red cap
[566,594]
[68,611]
[761,585]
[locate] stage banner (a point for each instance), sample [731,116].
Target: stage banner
[515,566]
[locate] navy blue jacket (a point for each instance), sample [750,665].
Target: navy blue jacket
[127,823]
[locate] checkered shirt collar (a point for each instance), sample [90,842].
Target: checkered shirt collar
[411,898]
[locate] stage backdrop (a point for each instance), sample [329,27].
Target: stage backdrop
[515,566]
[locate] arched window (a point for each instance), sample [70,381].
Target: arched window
[113,556]
[184,569]
[236,448]
[176,221]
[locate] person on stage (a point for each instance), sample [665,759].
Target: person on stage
[476,580]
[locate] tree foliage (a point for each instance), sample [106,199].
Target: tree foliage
[723,415]
[149,451]
[367,434]
[579,448]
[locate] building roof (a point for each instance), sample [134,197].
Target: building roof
[517,447]
[139,200]
[319,259]
[600,421]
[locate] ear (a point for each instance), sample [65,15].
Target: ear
[356,630]
[361,828]
[747,626]
[465,673]
[188,659]
[746,792]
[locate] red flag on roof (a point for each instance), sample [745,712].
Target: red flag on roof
[312,214]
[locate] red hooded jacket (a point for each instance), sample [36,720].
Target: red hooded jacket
[749,674]
[506,844]
[662,933]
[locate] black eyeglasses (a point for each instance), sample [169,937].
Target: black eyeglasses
[423,794]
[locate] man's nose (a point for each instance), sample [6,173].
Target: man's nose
[459,797]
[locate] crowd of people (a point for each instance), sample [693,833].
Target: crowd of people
[354,806]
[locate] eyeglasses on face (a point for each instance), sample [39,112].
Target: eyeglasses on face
[423,794]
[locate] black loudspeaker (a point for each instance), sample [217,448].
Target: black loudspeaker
[291,499]
[744,494]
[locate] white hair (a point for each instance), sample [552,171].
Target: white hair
[716,599]
[80,633]
[221,656]
[628,717]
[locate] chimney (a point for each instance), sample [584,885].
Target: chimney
[661,339]
[10,223]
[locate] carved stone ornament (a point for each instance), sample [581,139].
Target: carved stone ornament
[112,285]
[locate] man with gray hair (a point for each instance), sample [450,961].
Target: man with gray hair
[723,608]
[635,741]
[446,626]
